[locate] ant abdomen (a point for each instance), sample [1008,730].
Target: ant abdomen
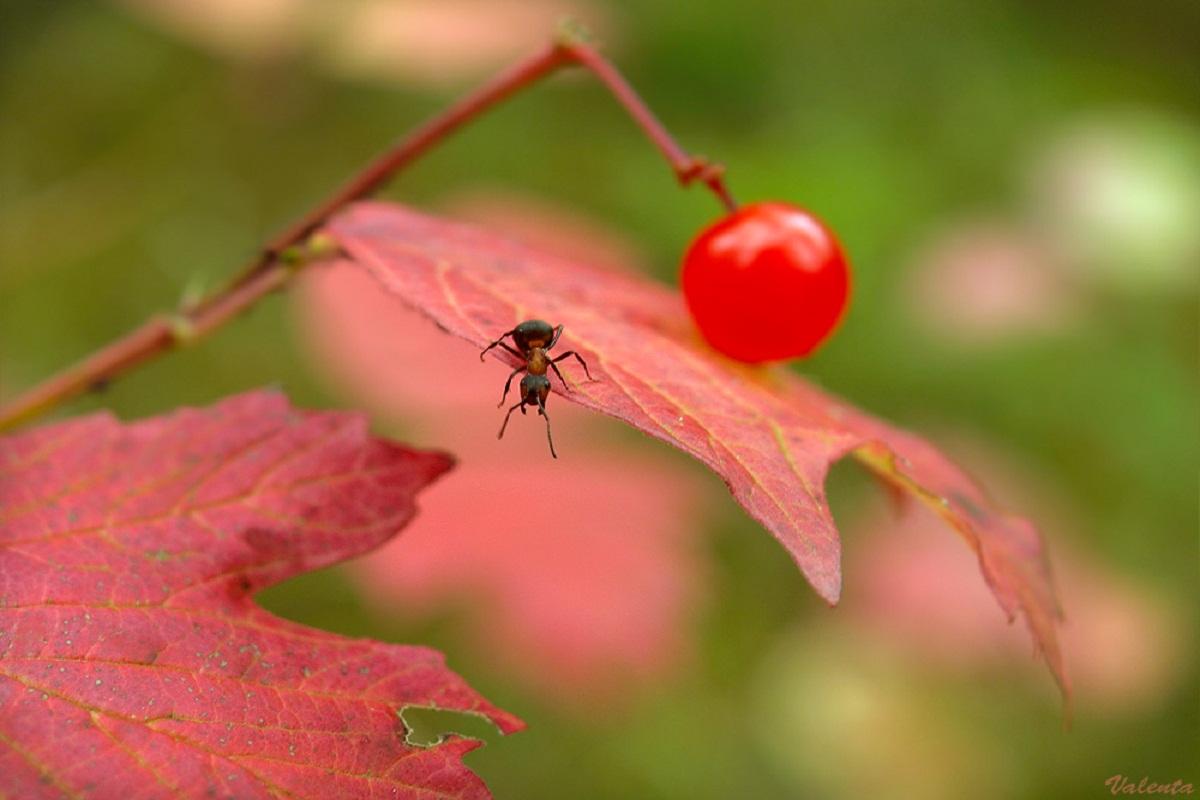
[535,388]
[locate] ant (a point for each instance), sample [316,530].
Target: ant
[533,339]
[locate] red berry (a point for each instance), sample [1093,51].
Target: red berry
[765,283]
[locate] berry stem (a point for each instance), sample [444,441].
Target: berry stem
[297,245]
[687,168]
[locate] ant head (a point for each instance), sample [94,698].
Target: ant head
[532,333]
[535,388]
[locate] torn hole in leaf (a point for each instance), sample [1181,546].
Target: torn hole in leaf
[427,726]
[848,485]
[340,610]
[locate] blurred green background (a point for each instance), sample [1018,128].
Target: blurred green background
[1018,185]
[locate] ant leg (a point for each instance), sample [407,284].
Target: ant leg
[579,358]
[554,339]
[549,438]
[507,347]
[554,367]
[500,342]
[508,385]
[520,405]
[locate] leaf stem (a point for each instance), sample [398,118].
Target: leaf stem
[272,268]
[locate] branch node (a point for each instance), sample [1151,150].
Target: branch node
[703,170]
[571,33]
[320,246]
[317,247]
[183,330]
[292,256]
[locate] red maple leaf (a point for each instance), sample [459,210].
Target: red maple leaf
[133,661]
[579,600]
[770,436]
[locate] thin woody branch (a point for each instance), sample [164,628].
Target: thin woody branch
[271,269]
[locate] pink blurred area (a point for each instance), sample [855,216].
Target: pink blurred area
[577,577]
[915,586]
[249,29]
[444,42]
[424,43]
[985,282]
[578,573]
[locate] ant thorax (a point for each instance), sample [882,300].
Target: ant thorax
[537,361]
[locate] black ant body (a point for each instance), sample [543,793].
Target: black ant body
[533,339]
